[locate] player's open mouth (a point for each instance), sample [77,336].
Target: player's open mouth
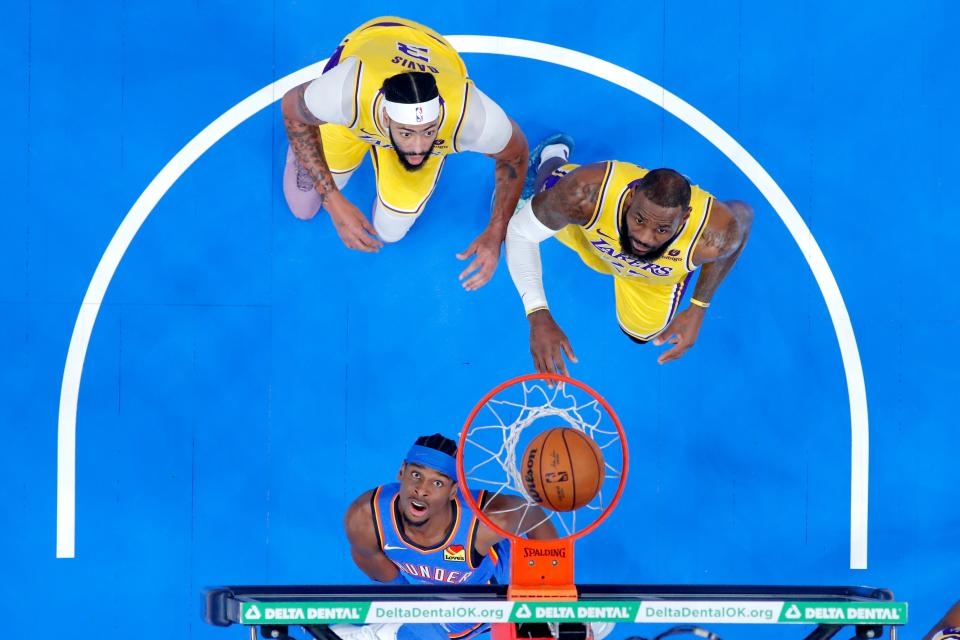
[640,247]
[418,508]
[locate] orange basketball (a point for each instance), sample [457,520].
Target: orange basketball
[562,469]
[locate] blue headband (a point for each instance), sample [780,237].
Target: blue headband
[433,459]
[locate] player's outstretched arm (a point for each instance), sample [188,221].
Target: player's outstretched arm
[364,548]
[303,133]
[514,514]
[722,243]
[572,200]
[509,173]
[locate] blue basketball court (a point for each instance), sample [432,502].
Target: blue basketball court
[196,384]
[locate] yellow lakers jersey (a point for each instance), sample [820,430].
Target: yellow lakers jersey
[602,232]
[387,46]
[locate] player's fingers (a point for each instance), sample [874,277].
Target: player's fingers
[366,225]
[473,266]
[559,364]
[472,249]
[539,363]
[569,351]
[671,354]
[480,278]
[363,242]
[368,233]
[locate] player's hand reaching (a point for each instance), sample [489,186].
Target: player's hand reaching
[486,251]
[548,343]
[682,333]
[352,226]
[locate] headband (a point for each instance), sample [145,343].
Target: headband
[433,459]
[417,113]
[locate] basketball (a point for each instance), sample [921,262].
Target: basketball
[562,469]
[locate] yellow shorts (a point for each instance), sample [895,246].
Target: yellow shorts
[403,192]
[643,309]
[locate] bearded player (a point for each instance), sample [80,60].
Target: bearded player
[399,91]
[419,531]
[649,230]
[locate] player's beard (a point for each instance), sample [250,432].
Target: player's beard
[626,248]
[403,156]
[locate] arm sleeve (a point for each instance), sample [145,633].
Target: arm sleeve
[486,128]
[524,235]
[331,97]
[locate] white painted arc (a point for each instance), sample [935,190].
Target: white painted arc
[109,261]
[79,341]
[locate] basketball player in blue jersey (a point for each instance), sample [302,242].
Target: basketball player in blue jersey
[650,230]
[419,531]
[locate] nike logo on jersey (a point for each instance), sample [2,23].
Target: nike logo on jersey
[390,547]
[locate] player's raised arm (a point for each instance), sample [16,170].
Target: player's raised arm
[303,131]
[572,200]
[364,547]
[510,171]
[513,514]
[722,243]
[490,131]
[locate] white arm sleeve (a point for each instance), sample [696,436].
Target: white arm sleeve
[524,235]
[486,128]
[331,96]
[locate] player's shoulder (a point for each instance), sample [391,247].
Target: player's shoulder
[362,505]
[726,229]
[593,173]
[359,518]
[573,199]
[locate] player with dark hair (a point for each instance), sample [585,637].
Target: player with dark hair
[650,230]
[398,90]
[419,531]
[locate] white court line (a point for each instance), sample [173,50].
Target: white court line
[73,369]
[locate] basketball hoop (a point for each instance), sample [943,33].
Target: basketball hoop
[503,423]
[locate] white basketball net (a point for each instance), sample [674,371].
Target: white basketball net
[490,456]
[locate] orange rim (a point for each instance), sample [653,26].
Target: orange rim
[461,474]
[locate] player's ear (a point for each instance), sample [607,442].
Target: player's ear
[385,119]
[453,491]
[400,473]
[686,214]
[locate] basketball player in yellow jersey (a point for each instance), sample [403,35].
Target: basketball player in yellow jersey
[650,230]
[397,90]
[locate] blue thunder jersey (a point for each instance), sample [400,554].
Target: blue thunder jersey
[453,561]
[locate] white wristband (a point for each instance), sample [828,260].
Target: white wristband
[524,235]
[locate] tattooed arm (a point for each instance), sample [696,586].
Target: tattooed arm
[509,172]
[572,200]
[303,131]
[722,243]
